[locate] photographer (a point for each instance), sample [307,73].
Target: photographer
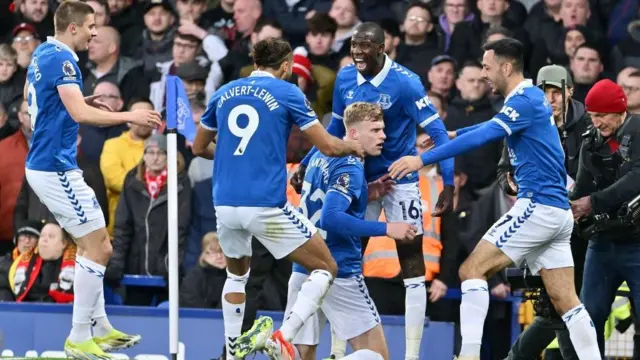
[572,121]
[608,180]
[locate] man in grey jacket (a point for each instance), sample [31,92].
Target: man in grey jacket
[572,121]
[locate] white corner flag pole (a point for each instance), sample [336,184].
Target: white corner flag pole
[172,191]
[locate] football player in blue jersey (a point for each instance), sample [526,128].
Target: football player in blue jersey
[538,227]
[253,118]
[334,197]
[53,90]
[375,78]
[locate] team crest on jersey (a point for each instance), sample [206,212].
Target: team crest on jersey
[350,94]
[342,184]
[384,101]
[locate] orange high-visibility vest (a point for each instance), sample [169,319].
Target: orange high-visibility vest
[381,258]
[292,196]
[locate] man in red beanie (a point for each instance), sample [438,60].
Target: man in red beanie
[608,178]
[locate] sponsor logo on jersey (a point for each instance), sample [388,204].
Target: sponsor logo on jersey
[510,112]
[423,103]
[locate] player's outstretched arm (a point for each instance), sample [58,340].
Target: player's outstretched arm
[334,219]
[203,145]
[438,133]
[330,145]
[82,113]
[335,128]
[490,131]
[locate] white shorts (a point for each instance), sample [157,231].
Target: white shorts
[280,230]
[536,233]
[71,201]
[402,204]
[347,306]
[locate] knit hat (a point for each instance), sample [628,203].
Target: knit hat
[32,228]
[158,140]
[302,64]
[606,97]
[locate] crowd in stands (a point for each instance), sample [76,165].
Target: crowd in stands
[207,43]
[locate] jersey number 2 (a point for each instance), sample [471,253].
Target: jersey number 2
[247,132]
[33,105]
[317,195]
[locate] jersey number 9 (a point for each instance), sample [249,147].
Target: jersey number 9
[317,195]
[247,132]
[33,105]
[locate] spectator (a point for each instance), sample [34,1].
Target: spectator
[455,11]
[422,39]
[321,29]
[473,106]
[37,14]
[550,43]
[95,136]
[107,64]
[220,21]
[466,40]
[630,84]
[100,13]
[25,42]
[627,52]
[14,149]
[11,80]
[441,75]
[140,231]
[190,11]
[315,81]
[120,155]
[200,169]
[46,273]
[187,43]
[294,16]
[496,33]
[391,37]
[202,287]
[238,61]
[571,38]
[345,13]
[125,16]
[544,12]
[586,70]
[439,103]
[157,37]
[194,78]
[245,14]
[25,240]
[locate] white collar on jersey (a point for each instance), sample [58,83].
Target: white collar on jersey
[378,79]
[52,40]
[523,84]
[260,73]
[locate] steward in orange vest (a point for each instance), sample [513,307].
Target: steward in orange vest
[381,258]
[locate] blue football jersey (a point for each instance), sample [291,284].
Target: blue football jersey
[405,104]
[55,133]
[534,146]
[253,117]
[344,175]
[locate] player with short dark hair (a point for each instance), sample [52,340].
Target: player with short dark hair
[54,95]
[377,79]
[539,225]
[253,117]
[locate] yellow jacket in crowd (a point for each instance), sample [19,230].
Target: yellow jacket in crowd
[119,156]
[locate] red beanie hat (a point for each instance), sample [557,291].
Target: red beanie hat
[606,97]
[302,64]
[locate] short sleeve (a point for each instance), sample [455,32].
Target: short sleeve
[64,70]
[337,106]
[417,104]
[208,119]
[347,178]
[300,109]
[515,115]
